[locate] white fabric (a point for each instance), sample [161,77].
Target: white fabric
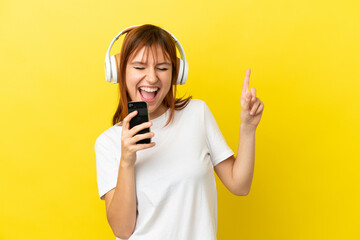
[175,182]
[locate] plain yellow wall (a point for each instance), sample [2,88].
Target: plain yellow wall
[304,57]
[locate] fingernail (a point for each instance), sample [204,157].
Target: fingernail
[251,113]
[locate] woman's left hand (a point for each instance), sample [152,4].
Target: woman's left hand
[251,106]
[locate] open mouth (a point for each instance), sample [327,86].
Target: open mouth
[148,94]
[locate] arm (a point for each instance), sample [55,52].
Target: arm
[243,168]
[121,203]
[237,173]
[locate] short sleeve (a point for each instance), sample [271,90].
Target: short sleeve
[106,165]
[218,148]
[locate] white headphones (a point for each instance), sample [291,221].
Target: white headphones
[110,62]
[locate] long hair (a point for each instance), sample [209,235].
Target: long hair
[147,36]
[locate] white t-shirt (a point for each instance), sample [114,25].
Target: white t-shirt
[175,182]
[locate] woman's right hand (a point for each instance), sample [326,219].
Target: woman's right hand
[129,139]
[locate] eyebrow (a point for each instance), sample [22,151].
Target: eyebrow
[142,63]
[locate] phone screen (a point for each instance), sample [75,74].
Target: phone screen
[141,117]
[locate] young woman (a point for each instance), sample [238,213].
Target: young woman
[166,189]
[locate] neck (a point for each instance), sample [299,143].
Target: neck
[161,110]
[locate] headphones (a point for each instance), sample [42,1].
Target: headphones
[110,62]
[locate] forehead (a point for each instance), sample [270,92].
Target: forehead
[155,53]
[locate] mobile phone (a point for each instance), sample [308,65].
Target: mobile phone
[142,116]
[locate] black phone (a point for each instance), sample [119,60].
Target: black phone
[142,116]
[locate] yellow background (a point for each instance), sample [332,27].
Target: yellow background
[304,57]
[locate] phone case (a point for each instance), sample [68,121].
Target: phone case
[141,117]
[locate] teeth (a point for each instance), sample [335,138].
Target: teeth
[147,89]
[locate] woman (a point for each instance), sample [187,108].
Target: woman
[166,189]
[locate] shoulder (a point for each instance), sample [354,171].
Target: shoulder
[195,111]
[196,104]
[199,107]
[109,136]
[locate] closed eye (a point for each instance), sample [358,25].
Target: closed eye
[161,69]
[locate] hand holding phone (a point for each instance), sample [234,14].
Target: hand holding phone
[141,117]
[131,142]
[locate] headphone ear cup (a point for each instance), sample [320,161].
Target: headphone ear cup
[107,70]
[180,72]
[185,73]
[113,69]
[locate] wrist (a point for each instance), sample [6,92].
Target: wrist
[247,129]
[124,164]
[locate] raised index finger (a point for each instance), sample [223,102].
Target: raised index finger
[246,82]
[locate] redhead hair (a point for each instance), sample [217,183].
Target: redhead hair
[148,36]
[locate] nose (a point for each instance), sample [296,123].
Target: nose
[151,76]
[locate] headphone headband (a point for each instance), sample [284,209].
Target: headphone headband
[110,62]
